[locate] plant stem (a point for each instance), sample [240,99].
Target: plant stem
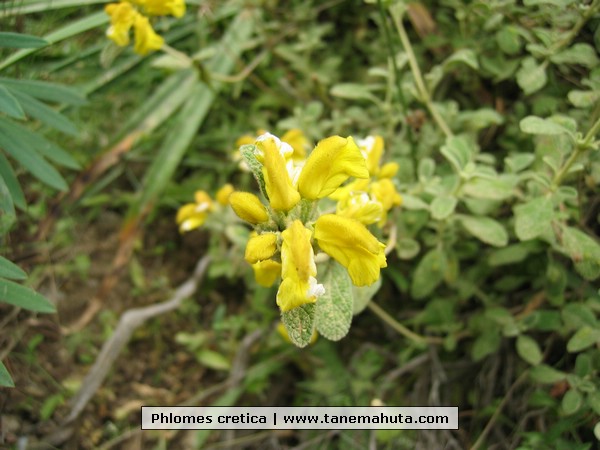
[581,147]
[392,53]
[416,71]
[417,338]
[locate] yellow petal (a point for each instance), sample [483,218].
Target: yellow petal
[350,243]
[261,247]
[388,170]
[146,39]
[332,162]
[359,206]
[248,207]
[224,193]
[282,194]
[373,147]
[267,272]
[298,269]
[385,192]
[122,16]
[297,141]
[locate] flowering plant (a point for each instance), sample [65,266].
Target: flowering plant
[323,254]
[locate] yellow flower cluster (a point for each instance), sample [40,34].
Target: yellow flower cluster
[193,215]
[290,229]
[369,200]
[286,239]
[129,14]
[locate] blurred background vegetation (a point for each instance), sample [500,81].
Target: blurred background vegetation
[490,299]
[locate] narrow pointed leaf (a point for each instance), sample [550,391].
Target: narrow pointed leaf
[24,297]
[9,104]
[10,270]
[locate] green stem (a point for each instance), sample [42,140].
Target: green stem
[577,28]
[417,338]
[392,53]
[177,54]
[417,75]
[581,147]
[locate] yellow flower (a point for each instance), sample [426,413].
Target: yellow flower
[360,206]
[332,162]
[388,170]
[385,192]
[296,139]
[299,285]
[162,7]
[122,16]
[267,272]
[282,194]
[193,215]
[350,243]
[146,38]
[224,193]
[372,149]
[248,207]
[261,247]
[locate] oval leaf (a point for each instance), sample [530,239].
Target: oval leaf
[529,350]
[334,308]
[300,323]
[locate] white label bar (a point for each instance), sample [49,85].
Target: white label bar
[299,418]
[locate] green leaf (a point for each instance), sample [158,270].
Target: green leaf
[583,99]
[14,144]
[334,308]
[509,255]
[23,297]
[362,296]
[578,315]
[8,214]
[5,378]
[44,90]
[519,161]
[255,166]
[499,188]
[529,350]
[213,360]
[76,27]
[428,274]
[353,91]
[480,118]
[9,104]
[583,250]
[546,375]
[442,207]
[465,56]
[10,270]
[580,53]
[533,218]
[18,40]
[531,76]
[583,338]
[10,179]
[38,110]
[300,323]
[485,229]
[537,125]
[412,202]
[509,40]
[485,344]
[458,151]
[407,248]
[571,401]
